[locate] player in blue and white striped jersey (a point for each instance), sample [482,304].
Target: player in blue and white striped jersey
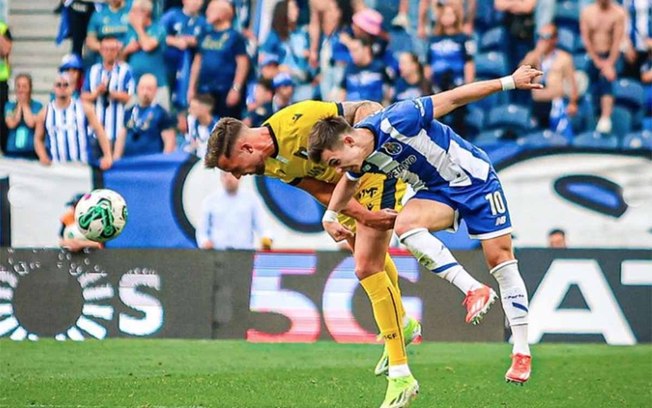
[109,85]
[452,178]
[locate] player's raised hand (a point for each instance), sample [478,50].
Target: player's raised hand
[336,230]
[382,220]
[525,77]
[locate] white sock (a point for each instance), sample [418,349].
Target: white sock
[519,335]
[434,256]
[514,298]
[401,370]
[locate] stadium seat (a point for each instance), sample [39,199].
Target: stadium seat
[491,65]
[629,94]
[489,137]
[638,140]
[581,61]
[493,40]
[596,140]
[567,40]
[567,15]
[647,123]
[543,139]
[474,120]
[511,117]
[621,120]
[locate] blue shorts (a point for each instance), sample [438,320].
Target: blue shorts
[482,206]
[601,85]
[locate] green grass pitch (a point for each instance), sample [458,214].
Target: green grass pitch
[201,373]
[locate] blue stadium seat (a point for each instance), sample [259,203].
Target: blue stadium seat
[543,139]
[647,123]
[581,61]
[493,40]
[630,94]
[621,120]
[474,120]
[566,40]
[512,117]
[596,140]
[489,137]
[638,140]
[567,15]
[491,65]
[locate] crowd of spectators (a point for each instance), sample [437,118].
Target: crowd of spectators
[150,76]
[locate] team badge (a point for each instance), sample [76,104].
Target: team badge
[392,148]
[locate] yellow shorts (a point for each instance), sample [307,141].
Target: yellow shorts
[376,192]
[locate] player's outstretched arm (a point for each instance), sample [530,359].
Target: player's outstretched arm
[342,195]
[523,78]
[354,112]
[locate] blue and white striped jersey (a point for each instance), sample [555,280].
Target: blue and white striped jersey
[199,134]
[109,112]
[67,133]
[413,146]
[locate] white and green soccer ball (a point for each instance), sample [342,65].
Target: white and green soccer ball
[101,215]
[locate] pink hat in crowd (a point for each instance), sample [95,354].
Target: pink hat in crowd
[369,20]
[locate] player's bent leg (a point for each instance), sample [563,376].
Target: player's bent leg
[504,268]
[414,233]
[370,250]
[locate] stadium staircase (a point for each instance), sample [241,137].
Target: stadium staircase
[34,27]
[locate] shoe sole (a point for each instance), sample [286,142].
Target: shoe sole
[416,339]
[515,381]
[480,315]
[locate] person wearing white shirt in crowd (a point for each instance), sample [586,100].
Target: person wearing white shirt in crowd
[231,218]
[109,85]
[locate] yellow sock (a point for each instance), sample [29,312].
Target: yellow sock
[384,301]
[392,273]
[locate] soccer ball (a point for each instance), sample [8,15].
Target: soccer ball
[101,215]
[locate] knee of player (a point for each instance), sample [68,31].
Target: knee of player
[363,271]
[403,227]
[499,256]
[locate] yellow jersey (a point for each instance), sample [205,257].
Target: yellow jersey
[289,129]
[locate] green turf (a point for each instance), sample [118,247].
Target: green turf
[184,373]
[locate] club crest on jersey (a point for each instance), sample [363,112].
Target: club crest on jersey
[392,148]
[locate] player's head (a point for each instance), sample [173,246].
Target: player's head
[547,38]
[201,105]
[230,149]
[557,238]
[332,142]
[147,87]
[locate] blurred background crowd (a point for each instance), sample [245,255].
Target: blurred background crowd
[151,76]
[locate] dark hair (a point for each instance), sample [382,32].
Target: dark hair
[424,83]
[280,22]
[266,83]
[221,141]
[325,134]
[557,231]
[205,99]
[346,10]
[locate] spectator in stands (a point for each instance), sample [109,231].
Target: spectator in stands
[467,7]
[6,44]
[549,108]
[109,86]
[112,20]
[261,108]
[638,28]
[283,91]
[73,65]
[65,122]
[557,239]
[221,65]
[292,46]
[144,50]
[520,23]
[79,17]
[200,123]
[365,78]
[231,218]
[646,79]
[602,25]
[450,56]
[148,128]
[183,26]
[242,18]
[269,67]
[412,82]
[20,117]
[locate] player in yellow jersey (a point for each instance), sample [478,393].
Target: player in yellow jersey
[279,149]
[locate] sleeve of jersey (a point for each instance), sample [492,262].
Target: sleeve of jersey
[408,117]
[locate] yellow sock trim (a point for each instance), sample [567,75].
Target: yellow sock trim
[384,301]
[392,274]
